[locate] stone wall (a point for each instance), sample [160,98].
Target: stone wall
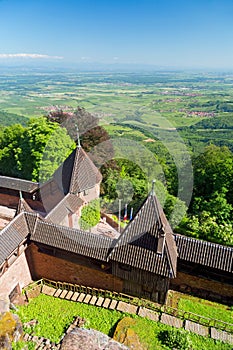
[201,287]
[58,269]
[17,273]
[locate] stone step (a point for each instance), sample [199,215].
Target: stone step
[93,300]
[100,301]
[57,293]
[69,295]
[48,290]
[106,303]
[63,294]
[74,296]
[81,297]
[87,299]
[113,304]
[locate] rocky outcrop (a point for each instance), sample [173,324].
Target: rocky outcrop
[10,330]
[126,335]
[90,339]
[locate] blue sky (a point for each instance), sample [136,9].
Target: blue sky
[173,33]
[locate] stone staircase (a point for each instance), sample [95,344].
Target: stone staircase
[106,303]
[41,343]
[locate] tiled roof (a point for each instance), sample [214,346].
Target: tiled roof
[23,206]
[18,184]
[77,173]
[85,175]
[205,253]
[143,243]
[12,235]
[71,240]
[69,204]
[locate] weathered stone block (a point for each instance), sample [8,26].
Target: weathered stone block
[113,304]
[124,307]
[221,335]
[171,321]
[87,299]
[152,315]
[196,328]
[100,301]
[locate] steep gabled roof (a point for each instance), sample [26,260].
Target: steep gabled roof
[205,253]
[147,242]
[18,184]
[77,173]
[72,240]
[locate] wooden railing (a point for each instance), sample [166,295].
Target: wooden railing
[183,315]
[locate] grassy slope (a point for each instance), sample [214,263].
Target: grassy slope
[54,316]
[206,308]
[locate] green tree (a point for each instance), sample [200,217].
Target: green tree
[34,152]
[90,215]
[213,172]
[10,150]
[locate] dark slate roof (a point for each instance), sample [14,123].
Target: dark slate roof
[12,235]
[77,173]
[205,253]
[69,204]
[18,184]
[71,240]
[142,245]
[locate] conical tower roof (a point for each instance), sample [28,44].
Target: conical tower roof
[77,173]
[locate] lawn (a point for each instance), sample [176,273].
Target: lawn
[206,308]
[54,316]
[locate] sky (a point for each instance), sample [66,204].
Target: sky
[166,33]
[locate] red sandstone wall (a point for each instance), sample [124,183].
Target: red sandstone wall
[43,265]
[9,201]
[17,273]
[189,283]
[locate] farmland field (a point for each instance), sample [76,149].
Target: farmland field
[153,101]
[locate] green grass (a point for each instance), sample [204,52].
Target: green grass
[148,332]
[54,316]
[22,345]
[206,308]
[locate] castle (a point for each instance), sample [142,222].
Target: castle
[146,260]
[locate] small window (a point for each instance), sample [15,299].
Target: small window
[86,192]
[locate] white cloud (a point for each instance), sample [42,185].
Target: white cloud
[28,55]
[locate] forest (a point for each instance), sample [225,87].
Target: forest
[35,150]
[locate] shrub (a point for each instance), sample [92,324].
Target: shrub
[90,215]
[174,339]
